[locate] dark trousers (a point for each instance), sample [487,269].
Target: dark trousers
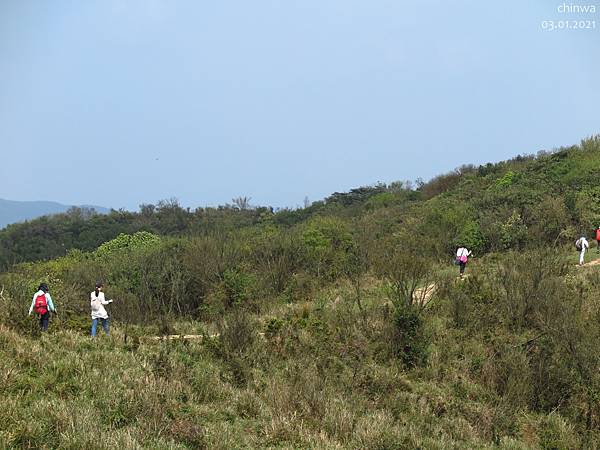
[44,320]
[462,266]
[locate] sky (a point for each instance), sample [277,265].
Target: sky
[123,102]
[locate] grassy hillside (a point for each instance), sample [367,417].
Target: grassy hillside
[505,359]
[342,325]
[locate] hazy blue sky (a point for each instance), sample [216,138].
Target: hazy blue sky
[123,102]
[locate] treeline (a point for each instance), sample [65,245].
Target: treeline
[53,236]
[529,201]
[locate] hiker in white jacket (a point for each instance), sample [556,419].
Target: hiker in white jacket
[97,303]
[584,244]
[462,257]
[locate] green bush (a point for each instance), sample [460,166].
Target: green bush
[326,246]
[141,239]
[410,341]
[238,286]
[513,232]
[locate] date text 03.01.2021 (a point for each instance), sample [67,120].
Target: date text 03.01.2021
[553,25]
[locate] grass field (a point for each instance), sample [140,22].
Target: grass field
[322,373]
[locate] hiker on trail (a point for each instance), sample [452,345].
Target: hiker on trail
[582,245]
[42,305]
[597,234]
[97,303]
[462,257]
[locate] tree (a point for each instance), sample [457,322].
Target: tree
[242,203]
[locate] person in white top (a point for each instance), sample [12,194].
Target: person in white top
[584,244]
[97,303]
[462,257]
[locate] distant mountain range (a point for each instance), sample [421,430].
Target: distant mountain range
[14,211]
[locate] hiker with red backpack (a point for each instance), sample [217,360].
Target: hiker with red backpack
[597,235]
[42,305]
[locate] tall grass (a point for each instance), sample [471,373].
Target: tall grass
[322,373]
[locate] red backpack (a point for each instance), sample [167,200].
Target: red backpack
[41,305]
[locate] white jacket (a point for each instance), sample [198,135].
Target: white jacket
[97,304]
[462,251]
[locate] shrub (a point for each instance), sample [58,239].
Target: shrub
[409,276]
[326,245]
[514,232]
[235,345]
[238,287]
[470,236]
[410,341]
[141,239]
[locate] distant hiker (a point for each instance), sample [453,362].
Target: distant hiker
[42,305]
[597,234]
[97,303]
[462,257]
[582,245]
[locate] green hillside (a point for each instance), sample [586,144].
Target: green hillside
[528,201]
[339,325]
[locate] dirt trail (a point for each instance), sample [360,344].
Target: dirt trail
[171,337]
[595,262]
[175,337]
[421,296]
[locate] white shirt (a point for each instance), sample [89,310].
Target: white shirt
[97,304]
[462,252]
[584,243]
